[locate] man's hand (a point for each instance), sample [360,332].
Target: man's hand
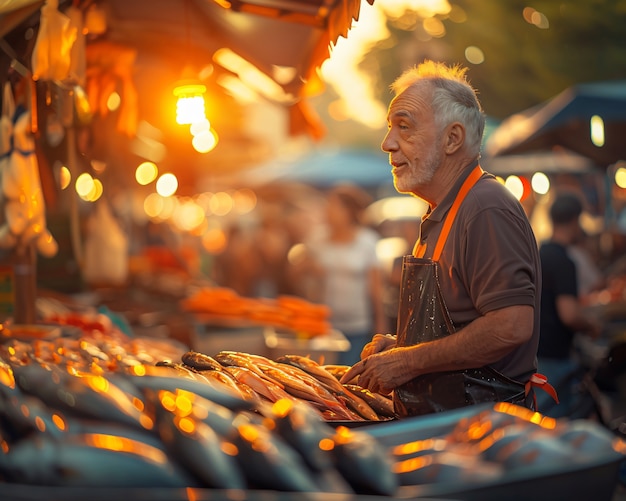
[382,372]
[380,342]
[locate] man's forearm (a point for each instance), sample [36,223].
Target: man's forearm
[482,342]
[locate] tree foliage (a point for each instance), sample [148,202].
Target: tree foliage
[524,64]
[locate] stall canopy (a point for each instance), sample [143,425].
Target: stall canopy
[559,161]
[287,40]
[588,119]
[155,43]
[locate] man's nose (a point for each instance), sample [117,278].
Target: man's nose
[387,145]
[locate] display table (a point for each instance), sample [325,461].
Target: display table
[212,335]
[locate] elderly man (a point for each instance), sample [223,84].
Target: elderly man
[468,323]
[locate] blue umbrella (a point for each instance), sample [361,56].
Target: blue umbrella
[564,121]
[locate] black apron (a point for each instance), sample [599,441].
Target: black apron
[422,317]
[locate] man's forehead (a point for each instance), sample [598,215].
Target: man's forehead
[407,104]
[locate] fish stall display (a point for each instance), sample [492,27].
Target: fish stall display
[80,409]
[84,410]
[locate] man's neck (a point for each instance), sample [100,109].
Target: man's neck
[446,177]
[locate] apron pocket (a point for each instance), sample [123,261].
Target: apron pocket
[444,391]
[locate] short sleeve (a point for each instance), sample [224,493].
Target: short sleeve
[501,255]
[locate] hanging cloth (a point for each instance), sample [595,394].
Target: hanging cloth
[423,316]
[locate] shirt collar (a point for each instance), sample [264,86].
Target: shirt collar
[439,212]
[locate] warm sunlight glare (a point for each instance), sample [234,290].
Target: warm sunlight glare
[353,84]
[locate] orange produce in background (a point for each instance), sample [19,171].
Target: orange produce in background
[287,312]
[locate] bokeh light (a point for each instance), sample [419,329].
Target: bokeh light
[97,191]
[153,205]
[188,215]
[167,185]
[200,126]
[596,125]
[84,185]
[214,240]
[65,177]
[113,101]
[221,203]
[146,172]
[244,200]
[515,185]
[540,183]
[205,141]
[620,177]
[474,55]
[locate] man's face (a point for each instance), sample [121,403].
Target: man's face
[412,140]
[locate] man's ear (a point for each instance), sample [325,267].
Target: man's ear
[455,138]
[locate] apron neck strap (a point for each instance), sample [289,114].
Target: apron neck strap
[420,248]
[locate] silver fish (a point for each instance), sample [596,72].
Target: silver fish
[261,386]
[382,405]
[348,398]
[195,444]
[312,367]
[88,395]
[200,361]
[269,462]
[364,462]
[92,460]
[224,379]
[155,378]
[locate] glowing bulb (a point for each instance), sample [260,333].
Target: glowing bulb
[190,104]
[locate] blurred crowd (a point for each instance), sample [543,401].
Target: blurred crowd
[295,239]
[336,246]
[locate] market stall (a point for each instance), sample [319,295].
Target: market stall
[85,406]
[152,382]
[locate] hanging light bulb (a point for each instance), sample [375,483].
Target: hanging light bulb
[190,104]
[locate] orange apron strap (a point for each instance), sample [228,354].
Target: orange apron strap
[420,249]
[540,381]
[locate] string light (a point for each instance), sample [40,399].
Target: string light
[190,104]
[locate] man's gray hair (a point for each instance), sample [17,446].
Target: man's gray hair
[453,98]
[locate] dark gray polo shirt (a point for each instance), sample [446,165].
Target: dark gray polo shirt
[490,261]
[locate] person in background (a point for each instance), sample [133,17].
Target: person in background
[562,315]
[470,293]
[341,269]
[589,275]
[272,244]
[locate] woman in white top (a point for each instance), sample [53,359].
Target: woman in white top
[345,270]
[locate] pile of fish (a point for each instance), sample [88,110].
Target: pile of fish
[292,377]
[498,451]
[79,416]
